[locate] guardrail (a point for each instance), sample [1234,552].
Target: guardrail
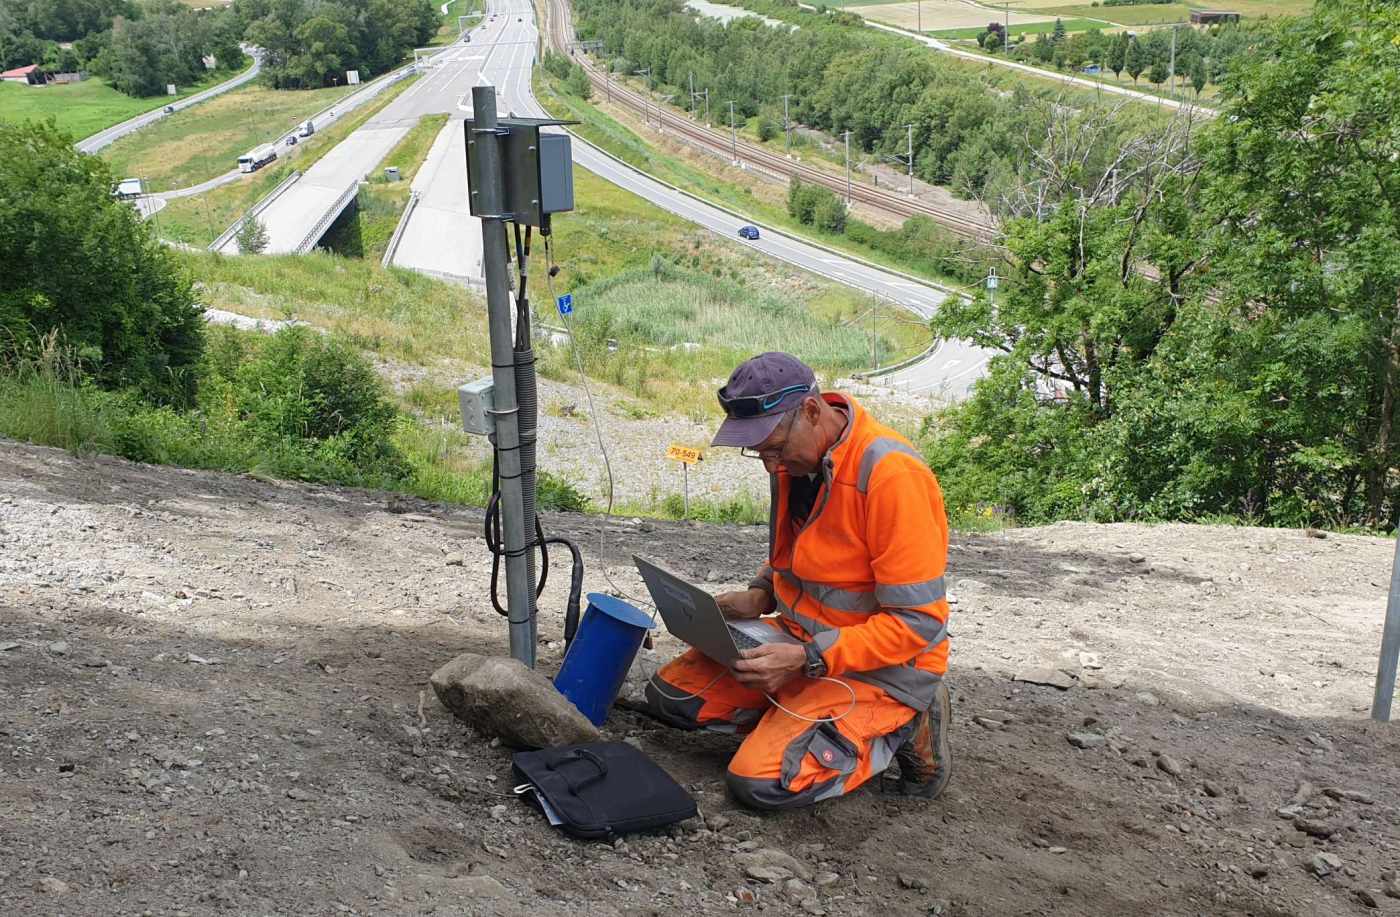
[327,218]
[253,211]
[388,258]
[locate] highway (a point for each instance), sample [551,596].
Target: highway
[105,138]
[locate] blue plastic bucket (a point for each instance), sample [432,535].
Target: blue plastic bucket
[601,654]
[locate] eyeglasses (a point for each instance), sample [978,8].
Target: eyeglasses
[773,452]
[745,406]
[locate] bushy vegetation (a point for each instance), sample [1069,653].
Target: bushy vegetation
[78,261]
[1207,322]
[840,78]
[312,44]
[140,46]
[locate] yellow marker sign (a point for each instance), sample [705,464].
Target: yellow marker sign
[686,455]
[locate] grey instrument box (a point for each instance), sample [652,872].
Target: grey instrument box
[538,170]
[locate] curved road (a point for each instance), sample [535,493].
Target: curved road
[105,138]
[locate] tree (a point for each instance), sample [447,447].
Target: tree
[78,262]
[1117,52]
[1134,60]
[252,237]
[1059,34]
[1198,75]
[1304,193]
[830,212]
[993,42]
[324,50]
[1157,74]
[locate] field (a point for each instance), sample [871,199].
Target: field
[83,109]
[1032,28]
[198,220]
[935,15]
[202,142]
[1146,14]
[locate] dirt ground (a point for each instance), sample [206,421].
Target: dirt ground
[215,702]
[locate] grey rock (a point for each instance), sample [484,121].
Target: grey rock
[1325,863]
[1314,827]
[299,794]
[1302,794]
[1085,739]
[480,887]
[1259,871]
[1147,698]
[987,722]
[58,648]
[1137,558]
[717,822]
[798,890]
[1212,789]
[1367,898]
[970,586]
[454,560]
[769,874]
[8,645]
[1090,661]
[1391,889]
[1169,765]
[823,879]
[1356,796]
[912,882]
[52,886]
[501,697]
[1045,675]
[767,856]
[745,895]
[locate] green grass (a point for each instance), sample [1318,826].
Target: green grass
[1027,28]
[205,141]
[83,109]
[364,232]
[200,219]
[1144,14]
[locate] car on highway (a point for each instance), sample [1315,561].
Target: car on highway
[749,232]
[169,109]
[292,140]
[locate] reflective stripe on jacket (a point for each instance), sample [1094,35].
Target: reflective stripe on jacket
[862,577]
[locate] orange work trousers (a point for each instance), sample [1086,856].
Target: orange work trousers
[784,761]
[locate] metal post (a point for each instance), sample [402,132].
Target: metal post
[685,501]
[1006,33]
[733,135]
[910,127]
[921,16]
[787,129]
[848,168]
[520,585]
[690,103]
[1390,646]
[1171,68]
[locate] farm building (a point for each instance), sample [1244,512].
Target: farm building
[31,75]
[1213,17]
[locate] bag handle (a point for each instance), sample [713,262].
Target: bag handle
[580,754]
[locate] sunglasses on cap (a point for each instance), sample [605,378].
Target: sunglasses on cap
[744,406]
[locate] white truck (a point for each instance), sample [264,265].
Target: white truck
[254,160]
[307,129]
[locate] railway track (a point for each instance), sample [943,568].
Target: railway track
[560,34]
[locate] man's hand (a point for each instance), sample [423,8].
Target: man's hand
[768,667]
[751,603]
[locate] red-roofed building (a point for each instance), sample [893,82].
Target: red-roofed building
[30,75]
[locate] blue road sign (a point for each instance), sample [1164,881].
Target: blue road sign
[566,304]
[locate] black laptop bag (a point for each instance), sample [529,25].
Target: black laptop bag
[600,789]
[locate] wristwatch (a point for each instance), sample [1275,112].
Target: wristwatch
[816,665]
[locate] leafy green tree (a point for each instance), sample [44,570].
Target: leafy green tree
[252,237]
[1304,189]
[993,42]
[1198,75]
[1157,73]
[1059,33]
[324,49]
[1135,59]
[829,214]
[78,262]
[1117,54]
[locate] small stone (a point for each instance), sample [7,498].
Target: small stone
[1302,794]
[768,856]
[745,895]
[1137,558]
[767,873]
[912,882]
[480,886]
[58,648]
[1288,812]
[1212,789]
[798,890]
[1090,661]
[1317,533]
[52,886]
[1169,765]
[717,822]
[8,645]
[1147,698]
[1326,863]
[1367,898]
[454,560]
[1391,889]
[823,879]
[1356,796]
[1259,871]
[987,722]
[1320,741]
[1085,739]
[1057,850]
[299,794]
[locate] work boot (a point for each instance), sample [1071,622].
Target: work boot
[925,761]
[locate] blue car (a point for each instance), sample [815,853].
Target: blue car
[749,232]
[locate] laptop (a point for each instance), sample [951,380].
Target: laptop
[692,614]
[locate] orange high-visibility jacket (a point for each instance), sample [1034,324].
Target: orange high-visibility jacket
[863,576]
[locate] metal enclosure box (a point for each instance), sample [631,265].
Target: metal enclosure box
[538,171]
[477,401]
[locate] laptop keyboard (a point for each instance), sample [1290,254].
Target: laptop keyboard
[742,640]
